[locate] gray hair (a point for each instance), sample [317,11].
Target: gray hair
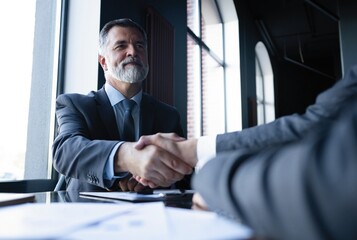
[123,22]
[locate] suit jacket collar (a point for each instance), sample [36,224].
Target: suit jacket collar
[106,113]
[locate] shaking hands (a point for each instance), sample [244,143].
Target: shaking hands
[157,160]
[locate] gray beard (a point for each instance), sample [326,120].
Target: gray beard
[132,74]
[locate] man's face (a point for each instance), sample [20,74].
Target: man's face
[126,55]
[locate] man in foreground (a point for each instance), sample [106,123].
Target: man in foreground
[299,185]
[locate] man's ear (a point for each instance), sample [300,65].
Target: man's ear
[102,62]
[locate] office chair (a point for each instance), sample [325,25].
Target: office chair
[28,186]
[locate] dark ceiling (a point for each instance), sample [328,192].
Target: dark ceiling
[305,32]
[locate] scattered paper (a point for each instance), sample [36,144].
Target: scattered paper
[90,221]
[146,221]
[194,224]
[45,221]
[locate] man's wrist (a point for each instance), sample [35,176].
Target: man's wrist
[121,158]
[188,151]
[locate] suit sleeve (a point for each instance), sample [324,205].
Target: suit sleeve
[76,152]
[293,127]
[301,190]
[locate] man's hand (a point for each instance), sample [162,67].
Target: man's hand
[176,145]
[198,203]
[158,166]
[130,184]
[171,142]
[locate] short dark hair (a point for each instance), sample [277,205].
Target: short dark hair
[123,22]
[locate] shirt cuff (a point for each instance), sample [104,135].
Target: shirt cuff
[206,150]
[109,166]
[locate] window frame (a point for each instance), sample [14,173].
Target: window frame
[265,100]
[44,78]
[222,7]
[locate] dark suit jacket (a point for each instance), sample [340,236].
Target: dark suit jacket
[293,127]
[302,186]
[301,190]
[87,133]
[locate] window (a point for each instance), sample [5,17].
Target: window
[17,73]
[26,98]
[213,74]
[264,85]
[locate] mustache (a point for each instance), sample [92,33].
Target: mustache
[132,60]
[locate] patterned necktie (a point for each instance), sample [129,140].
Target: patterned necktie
[128,126]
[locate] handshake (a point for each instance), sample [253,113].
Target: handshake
[155,160]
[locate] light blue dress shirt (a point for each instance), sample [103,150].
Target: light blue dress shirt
[115,97]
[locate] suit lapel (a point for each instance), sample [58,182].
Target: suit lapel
[147,116]
[106,113]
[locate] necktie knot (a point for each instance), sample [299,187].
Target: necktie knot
[128,104]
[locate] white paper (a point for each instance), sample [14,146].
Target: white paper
[155,221]
[194,224]
[44,221]
[146,221]
[89,221]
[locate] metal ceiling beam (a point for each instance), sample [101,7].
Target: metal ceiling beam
[322,10]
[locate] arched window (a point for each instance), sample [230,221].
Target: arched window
[264,85]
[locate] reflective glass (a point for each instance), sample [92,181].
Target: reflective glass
[212,32]
[213,96]
[193,16]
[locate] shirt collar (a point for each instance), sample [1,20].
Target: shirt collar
[115,96]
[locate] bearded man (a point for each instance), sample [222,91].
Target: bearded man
[92,149]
